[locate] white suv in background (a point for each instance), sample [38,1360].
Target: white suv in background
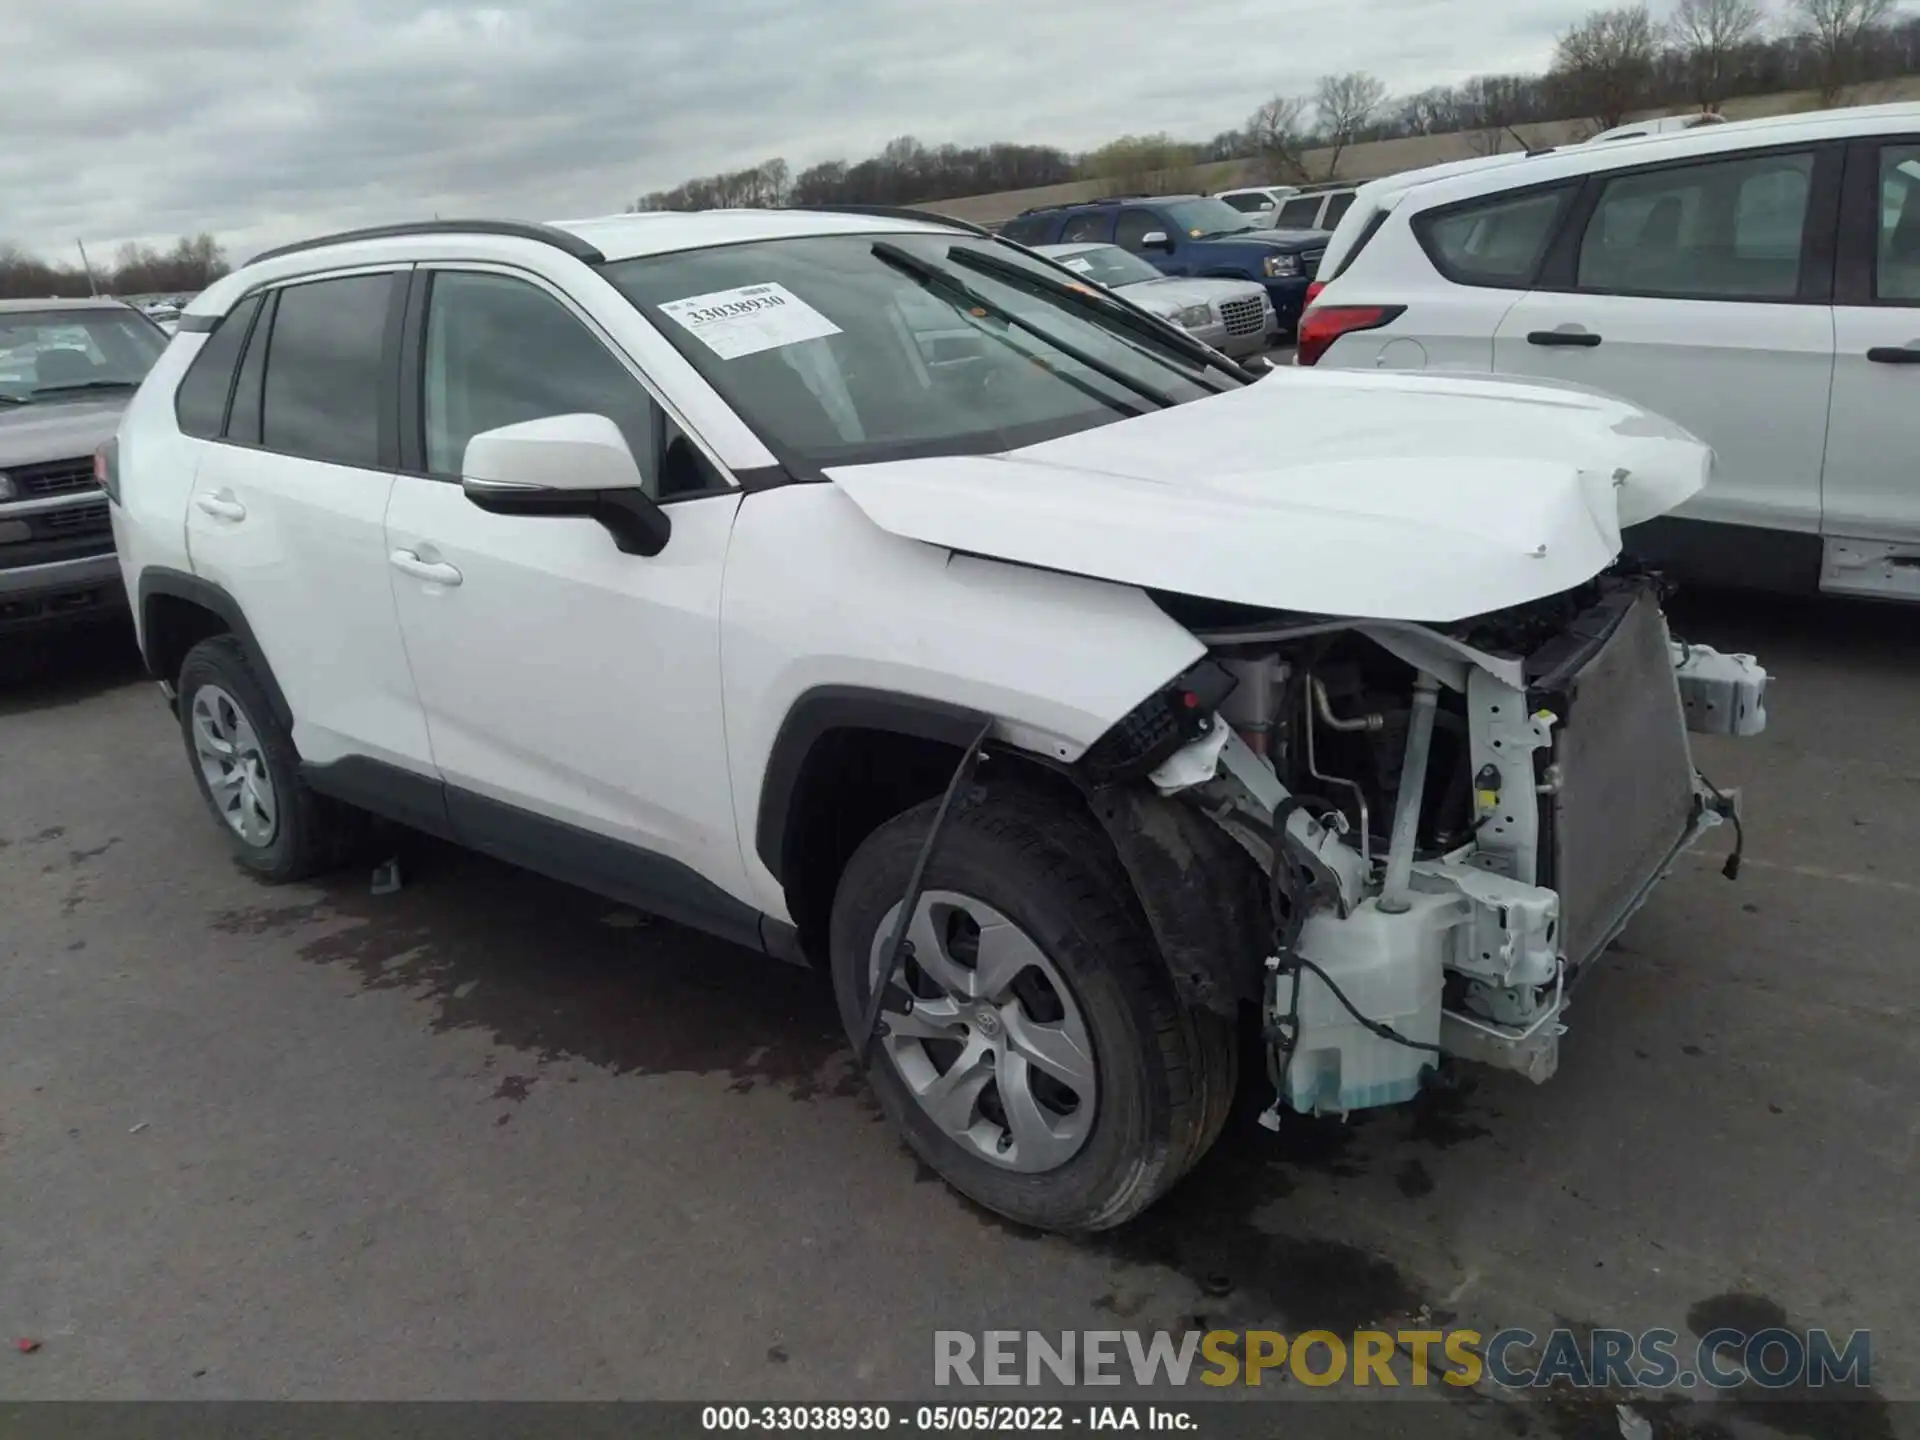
[863,588]
[1756,282]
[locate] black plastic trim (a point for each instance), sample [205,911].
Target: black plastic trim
[650,882]
[405,796]
[562,240]
[199,324]
[827,708]
[158,580]
[1714,555]
[409,406]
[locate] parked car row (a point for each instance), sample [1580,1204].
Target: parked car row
[67,370]
[1757,282]
[1186,235]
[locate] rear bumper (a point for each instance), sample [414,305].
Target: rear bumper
[60,591]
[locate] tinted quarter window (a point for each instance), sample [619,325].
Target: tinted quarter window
[1336,207]
[1298,214]
[324,376]
[1498,242]
[1134,226]
[200,404]
[1091,225]
[500,351]
[1247,204]
[1026,230]
[1725,230]
[243,416]
[1897,258]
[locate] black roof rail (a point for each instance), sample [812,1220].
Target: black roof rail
[895,212]
[519,229]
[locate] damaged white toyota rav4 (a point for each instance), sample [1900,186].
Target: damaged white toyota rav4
[872,591]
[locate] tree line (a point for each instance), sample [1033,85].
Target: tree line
[194,262]
[1606,66]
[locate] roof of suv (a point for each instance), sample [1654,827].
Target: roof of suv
[594,240]
[68,302]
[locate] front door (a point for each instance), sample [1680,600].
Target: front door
[1871,488]
[572,692]
[1690,290]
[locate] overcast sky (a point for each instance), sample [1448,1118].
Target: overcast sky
[266,120]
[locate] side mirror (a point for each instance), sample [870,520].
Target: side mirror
[1156,240]
[574,465]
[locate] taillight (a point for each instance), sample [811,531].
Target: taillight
[106,469]
[1321,325]
[1313,290]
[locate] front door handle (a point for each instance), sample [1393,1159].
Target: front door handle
[222,505]
[436,571]
[1585,339]
[1895,354]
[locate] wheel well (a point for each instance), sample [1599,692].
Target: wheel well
[173,625]
[853,781]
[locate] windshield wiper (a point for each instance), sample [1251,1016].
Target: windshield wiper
[929,273]
[74,385]
[1151,327]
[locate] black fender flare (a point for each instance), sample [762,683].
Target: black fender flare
[817,713]
[158,580]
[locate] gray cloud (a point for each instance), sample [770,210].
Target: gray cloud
[144,119]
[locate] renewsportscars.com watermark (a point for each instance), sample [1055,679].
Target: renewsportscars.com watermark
[1517,1359]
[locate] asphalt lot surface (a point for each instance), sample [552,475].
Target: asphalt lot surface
[491,1137]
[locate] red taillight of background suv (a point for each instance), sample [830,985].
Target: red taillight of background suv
[1321,325]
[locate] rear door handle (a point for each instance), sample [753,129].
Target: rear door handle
[436,571]
[222,505]
[1585,339]
[1895,354]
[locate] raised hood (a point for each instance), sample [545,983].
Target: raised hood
[1353,493]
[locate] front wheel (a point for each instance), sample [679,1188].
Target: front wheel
[1046,1069]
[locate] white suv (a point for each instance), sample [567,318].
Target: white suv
[866,589]
[1757,282]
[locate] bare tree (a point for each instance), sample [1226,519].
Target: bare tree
[1344,104]
[1602,66]
[1837,33]
[1278,137]
[1710,34]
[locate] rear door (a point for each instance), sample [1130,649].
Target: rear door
[1871,486]
[288,514]
[1702,291]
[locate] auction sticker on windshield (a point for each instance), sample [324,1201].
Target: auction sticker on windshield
[749,319]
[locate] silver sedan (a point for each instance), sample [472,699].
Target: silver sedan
[1234,316]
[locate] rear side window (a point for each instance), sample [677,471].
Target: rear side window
[1026,230]
[1298,214]
[324,379]
[1498,242]
[1089,225]
[200,404]
[1336,207]
[1726,230]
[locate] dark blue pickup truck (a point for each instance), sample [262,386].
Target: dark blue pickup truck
[1187,235]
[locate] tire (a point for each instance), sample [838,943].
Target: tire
[305,833]
[1163,1072]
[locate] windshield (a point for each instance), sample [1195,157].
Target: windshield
[48,353]
[1206,219]
[845,349]
[1109,265]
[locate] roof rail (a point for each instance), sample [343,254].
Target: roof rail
[895,212]
[520,229]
